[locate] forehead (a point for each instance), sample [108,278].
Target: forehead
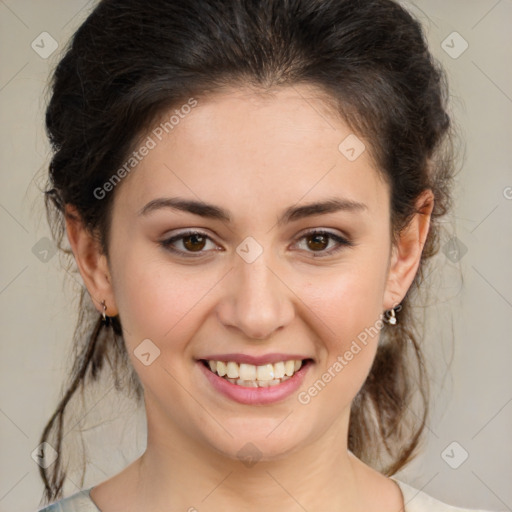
[287,141]
[295,115]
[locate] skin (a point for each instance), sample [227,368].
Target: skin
[253,155]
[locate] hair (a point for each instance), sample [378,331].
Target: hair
[130,62]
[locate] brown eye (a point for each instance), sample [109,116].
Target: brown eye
[317,242]
[191,242]
[194,242]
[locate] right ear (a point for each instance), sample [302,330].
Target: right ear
[91,262]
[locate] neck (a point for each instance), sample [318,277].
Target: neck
[183,473]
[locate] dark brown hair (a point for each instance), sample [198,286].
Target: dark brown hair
[131,61]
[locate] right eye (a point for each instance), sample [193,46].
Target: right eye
[192,241]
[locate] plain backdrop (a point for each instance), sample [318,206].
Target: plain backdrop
[466,457]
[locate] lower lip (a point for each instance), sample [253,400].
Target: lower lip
[256,396]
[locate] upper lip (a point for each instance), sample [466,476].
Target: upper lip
[254,360]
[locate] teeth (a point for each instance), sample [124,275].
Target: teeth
[265,372]
[279,370]
[233,372]
[249,375]
[289,368]
[221,368]
[246,383]
[247,372]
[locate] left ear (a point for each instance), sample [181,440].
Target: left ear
[406,254]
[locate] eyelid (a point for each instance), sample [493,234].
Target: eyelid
[313,231]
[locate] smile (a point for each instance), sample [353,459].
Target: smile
[252,376]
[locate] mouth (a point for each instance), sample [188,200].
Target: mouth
[253,376]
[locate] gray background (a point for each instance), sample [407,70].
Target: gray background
[472,381]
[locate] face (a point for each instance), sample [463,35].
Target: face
[268,281]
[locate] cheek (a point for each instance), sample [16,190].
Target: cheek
[158,302]
[348,308]
[345,356]
[348,300]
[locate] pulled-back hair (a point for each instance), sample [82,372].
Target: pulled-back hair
[131,61]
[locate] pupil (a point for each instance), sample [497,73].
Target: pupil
[194,239]
[319,242]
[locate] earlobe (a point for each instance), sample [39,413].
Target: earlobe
[91,262]
[406,254]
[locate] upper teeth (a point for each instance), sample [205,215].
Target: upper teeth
[246,371]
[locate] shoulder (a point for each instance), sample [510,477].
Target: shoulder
[78,502]
[418,501]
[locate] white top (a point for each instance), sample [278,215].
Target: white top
[415,501]
[418,501]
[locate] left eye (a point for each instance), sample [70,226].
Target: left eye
[318,241]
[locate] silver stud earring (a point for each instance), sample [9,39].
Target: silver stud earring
[390,317]
[105,319]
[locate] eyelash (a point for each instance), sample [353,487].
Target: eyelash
[343,242]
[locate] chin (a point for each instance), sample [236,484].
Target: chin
[272,440]
[251,451]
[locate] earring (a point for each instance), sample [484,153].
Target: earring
[106,319]
[390,317]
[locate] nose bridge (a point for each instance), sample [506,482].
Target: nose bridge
[259,304]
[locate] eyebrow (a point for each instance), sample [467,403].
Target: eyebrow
[292,213]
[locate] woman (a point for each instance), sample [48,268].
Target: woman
[251,191]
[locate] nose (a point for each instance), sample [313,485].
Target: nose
[257,301]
